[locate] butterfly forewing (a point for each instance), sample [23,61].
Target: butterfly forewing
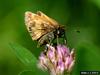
[39,24]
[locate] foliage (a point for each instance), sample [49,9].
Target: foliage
[28,59]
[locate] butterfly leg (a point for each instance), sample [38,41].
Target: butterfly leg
[65,39]
[57,37]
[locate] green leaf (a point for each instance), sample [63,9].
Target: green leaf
[28,59]
[24,55]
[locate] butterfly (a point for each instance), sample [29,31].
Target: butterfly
[43,28]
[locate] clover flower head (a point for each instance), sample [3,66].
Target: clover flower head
[57,59]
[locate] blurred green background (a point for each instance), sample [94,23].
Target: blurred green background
[82,15]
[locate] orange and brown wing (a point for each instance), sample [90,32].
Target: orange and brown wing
[51,22]
[39,24]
